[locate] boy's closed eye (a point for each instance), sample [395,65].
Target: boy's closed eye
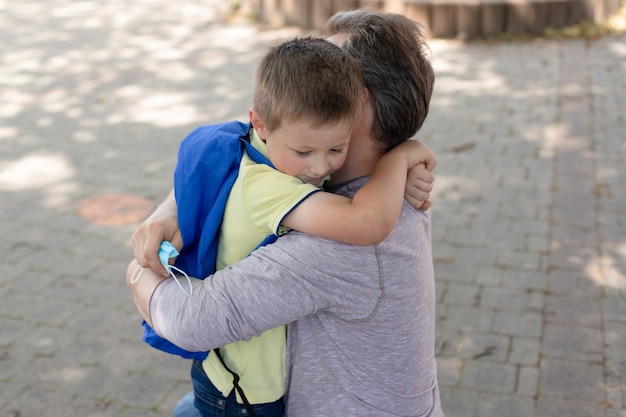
[307,153]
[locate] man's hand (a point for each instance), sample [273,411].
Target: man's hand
[159,226]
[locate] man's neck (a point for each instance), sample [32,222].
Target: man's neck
[361,161]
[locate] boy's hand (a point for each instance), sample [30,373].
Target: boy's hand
[419,184]
[159,226]
[417,153]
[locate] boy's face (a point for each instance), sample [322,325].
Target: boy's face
[309,153]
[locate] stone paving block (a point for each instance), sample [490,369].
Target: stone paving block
[525,351]
[466,237]
[614,396]
[614,308]
[573,342]
[489,275]
[549,407]
[489,377]
[12,330]
[480,346]
[43,341]
[571,380]
[473,256]
[490,405]
[450,272]
[503,299]
[614,334]
[461,294]
[615,363]
[468,319]
[579,217]
[615,413]
[575,310]
[449,370]
[13,362]
[572,234]
[567,282]
[520,260]
[573,258]
[536,300]
[527,324]
[457,402]
[528,381]
[42,403]
[53,312]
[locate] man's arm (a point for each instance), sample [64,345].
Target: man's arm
[276,285]
[143,289]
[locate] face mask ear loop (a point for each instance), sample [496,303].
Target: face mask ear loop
[137,273]
[169,268]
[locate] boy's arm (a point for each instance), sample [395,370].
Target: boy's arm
[373,211]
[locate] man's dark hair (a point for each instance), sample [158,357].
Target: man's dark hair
[392,53]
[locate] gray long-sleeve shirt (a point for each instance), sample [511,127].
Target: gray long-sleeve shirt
[361,318]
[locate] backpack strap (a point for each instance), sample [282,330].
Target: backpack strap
[259,158]
[246,403]
[253,152]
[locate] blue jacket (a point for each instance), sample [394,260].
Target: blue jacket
[207,167]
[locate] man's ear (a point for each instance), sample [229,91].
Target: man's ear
[257,123]
[366,96]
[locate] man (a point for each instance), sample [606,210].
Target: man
[361,318]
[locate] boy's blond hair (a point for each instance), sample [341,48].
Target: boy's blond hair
[309,79]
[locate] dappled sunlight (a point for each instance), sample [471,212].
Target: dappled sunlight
[93,52]
[165,110]
[96,94]
[610,272]
[87,86]
[34,171]
[14,102]
[618,48]
[454,188]
[67,375]
[51,174]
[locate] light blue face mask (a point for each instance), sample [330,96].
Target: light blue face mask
[166,251]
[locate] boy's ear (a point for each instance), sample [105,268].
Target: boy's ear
[257,123]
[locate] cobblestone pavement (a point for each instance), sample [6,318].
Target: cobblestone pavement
[529,209]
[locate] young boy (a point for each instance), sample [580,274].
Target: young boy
[308,98]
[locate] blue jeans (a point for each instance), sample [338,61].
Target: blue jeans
[186,408]
[209,402]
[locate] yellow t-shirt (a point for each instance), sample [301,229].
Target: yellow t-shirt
[258,202]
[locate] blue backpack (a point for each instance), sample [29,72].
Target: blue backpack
[207,167]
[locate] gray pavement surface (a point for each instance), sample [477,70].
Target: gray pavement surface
[529,208]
